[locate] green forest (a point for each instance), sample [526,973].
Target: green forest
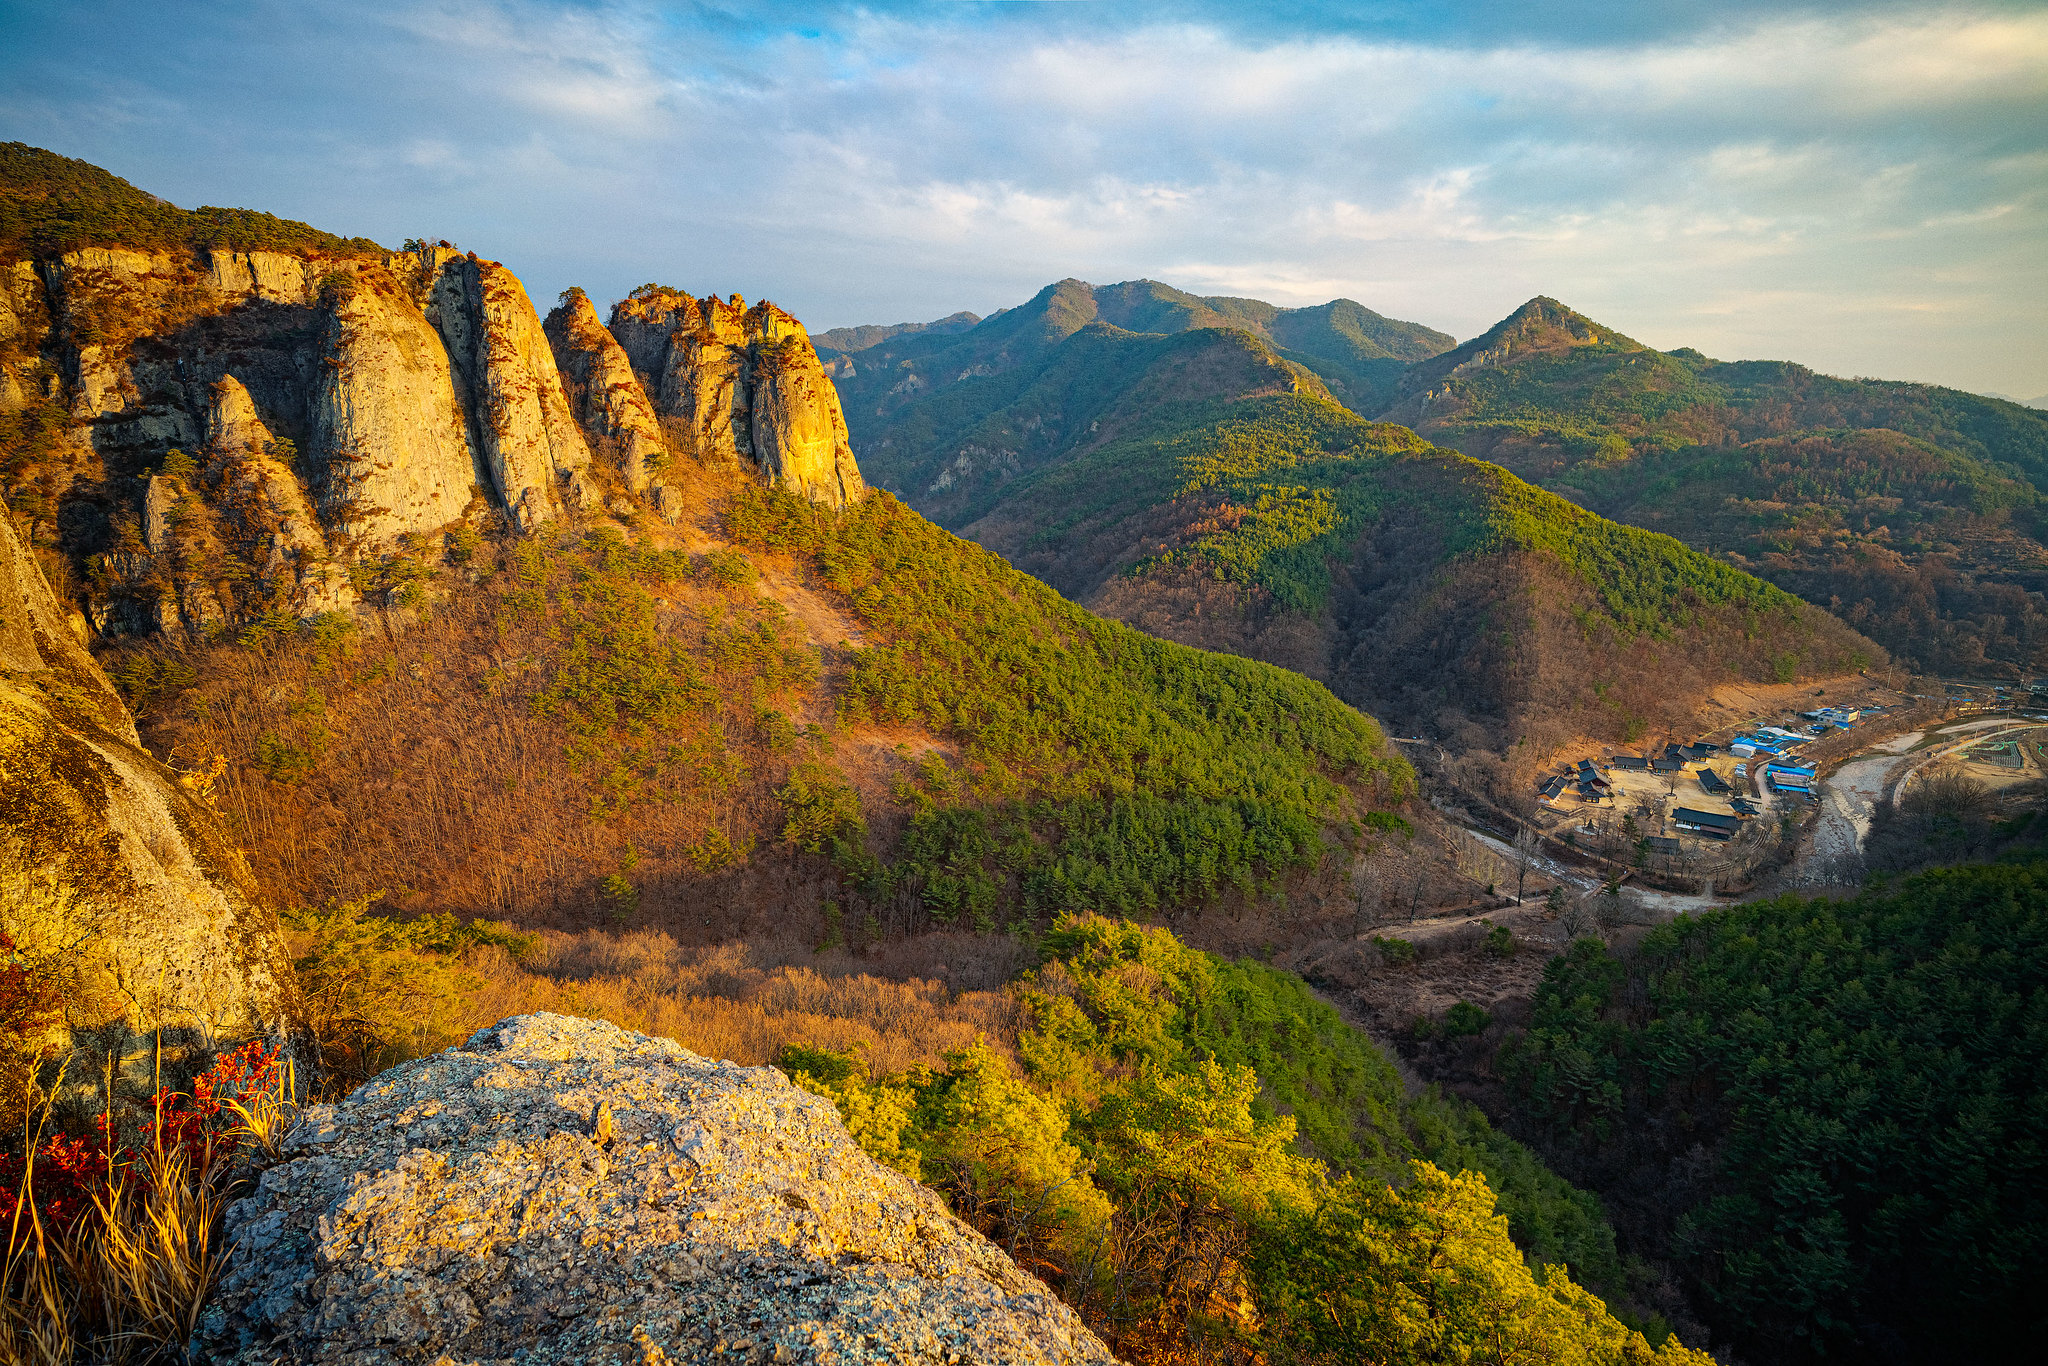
[1115,772]
[1208,1161]
[1909,510]
[1061,761]
[1934,553]
[839,790]
[50,205]
[1302,478]
[1844,1099]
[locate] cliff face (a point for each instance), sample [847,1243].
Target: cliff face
[537,458]
[742,383]
[567,1191]
[604,392]
[114,875]
[341,410]
[387,426]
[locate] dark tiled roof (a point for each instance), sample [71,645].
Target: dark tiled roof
[1706,820]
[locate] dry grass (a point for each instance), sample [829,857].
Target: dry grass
[408,756]
[906,1004]
[126,1279]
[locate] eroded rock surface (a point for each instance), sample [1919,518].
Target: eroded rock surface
[535,453]
[352,408]
[264,508]
[562,1190]
[385,418]
[742,383]
[115,875]
[604,391]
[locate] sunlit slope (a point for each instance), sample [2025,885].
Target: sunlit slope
[934,409]
[1443,589]
[850,723]
[1911,510]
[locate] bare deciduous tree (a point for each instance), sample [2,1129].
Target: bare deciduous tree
[1523,857]
[1368,890]
[1579,919]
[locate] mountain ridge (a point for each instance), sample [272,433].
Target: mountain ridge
[1437,591]
[1951,579]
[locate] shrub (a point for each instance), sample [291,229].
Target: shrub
[1465,1018]
[1396,952]
[112,1250]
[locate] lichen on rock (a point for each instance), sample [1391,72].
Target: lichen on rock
[563,1190]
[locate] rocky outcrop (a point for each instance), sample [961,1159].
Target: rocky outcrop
[115,876]
[528,438]
[603,390]
[742,384]
[561,1190]
[386,419]
[355,406]
[800,438]
[274,276]
[264,509]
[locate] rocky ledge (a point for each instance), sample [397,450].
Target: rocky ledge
[563,1190]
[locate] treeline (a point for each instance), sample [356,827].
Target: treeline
[1212,1166]
[1929,612]
[1100,768]
[1912,511]
[1431,589]
[1286,484]
[51,204]
[1832,1109]
[1945,816]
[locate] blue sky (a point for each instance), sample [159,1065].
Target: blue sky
[1860,187]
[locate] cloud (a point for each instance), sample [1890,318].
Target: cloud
[1859,187]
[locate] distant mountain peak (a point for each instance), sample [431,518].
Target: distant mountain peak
[1543,324]
[847,340]
[1545,321]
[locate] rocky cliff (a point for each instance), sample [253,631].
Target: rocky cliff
[563,1190]
[115,876]
[741,383]
[604,391]
[330,412]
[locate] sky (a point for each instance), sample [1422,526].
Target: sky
[1860,187]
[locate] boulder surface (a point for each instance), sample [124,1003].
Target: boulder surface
[563,1190]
